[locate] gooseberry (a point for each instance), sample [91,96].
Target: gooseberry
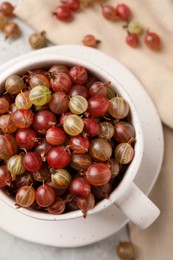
[61,82]
[58,157]
[134,27]
[109,12]
[5,176]
[132,40]
[73,125]
[4,106]
[14,84]
[80,161]
[3,21]
[22,100]
[100,149]
[25,196]
[98,174]
[123,131]
[63,13]
[79,90]
[123,11]
[118,108]
[86,204]
[38,79]
[102,191]
[97,106]
[78,74]
[79,144]
[90,40]
[6,8]
[8,146]
[12,30]
[73,5]
[57,207]
[78,105]
[26,138]
[60,178]
[55,136]
[23,118]
[7,125]
[58,68]
[43,120]
[40,95]
[45,195]
[106,130]
[99,88]
[37,40]
[32,162]
[91,126]
[152,41]
[15,164]
[125,250]
[59,103]
[42,148]
[80,187]
[124,153]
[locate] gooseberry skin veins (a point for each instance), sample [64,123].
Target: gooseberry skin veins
[32,162]
[58,158]
[97,106]
[45,195]
[98,174]
[80,187]
[25,196]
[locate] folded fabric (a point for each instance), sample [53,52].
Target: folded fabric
[153,69]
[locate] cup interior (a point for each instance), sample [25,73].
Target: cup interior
[45,61]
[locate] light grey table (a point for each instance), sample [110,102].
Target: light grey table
[17,249]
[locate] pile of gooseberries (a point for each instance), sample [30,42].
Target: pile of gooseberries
[66,139]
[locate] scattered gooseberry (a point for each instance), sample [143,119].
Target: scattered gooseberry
[6,8]
[12,30]
[123,11]
[125,250]
[90,40]
[109,12]
[152,41]
[132,40]
[63,13]
[37,40]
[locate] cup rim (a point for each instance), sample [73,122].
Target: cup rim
[48,60]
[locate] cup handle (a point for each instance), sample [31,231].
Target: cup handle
[138,207]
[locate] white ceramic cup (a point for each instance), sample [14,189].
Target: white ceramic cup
[127,196]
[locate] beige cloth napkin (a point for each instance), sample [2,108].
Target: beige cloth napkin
[153,69]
